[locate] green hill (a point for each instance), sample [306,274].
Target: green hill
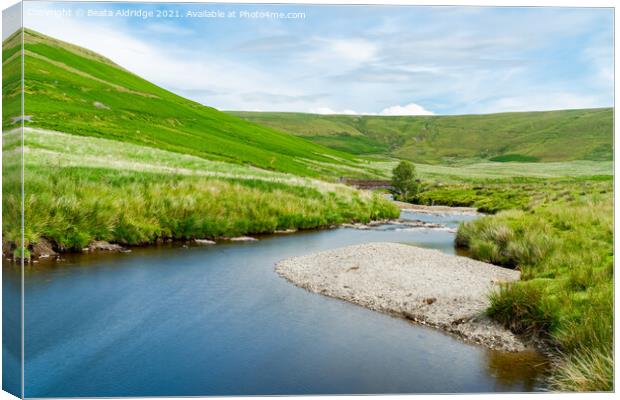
[89,95]
[522,137]
[73,90]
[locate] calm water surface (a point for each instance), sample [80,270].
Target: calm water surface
[219,321]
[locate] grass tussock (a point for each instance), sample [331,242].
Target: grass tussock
[565,252]
[523,309]
[585,371]
[517,240]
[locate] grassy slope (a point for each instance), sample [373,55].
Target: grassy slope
[528,136]
[73,90]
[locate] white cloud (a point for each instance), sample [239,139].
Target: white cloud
[331,55]
[353,49]
[600,58]
[409,109]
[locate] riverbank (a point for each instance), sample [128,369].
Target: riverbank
[564,250]
[559,233]
[73,206]
[439,209]
[421,285]
[428,218]
[46,249]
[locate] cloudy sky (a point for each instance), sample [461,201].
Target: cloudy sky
[367,60]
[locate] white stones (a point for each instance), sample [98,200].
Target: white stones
[243,239]
[204,242]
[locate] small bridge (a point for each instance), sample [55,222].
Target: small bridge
[367,184]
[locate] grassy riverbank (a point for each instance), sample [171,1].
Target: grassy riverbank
[80,189]
[561,238]
[74,206]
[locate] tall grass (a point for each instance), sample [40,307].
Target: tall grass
[80,189]
[585,371]
[72,206]
[565,252]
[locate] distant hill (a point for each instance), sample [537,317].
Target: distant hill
[523,137]
[74,90]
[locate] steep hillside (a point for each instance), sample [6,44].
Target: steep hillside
[527,136]
[73,90]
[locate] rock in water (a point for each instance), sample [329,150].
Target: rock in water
[102,245]
[42,249]
[243,239]
[204,242]
[285,231]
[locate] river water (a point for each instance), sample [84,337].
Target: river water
[217,320]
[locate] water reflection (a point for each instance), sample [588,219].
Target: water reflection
[526,368]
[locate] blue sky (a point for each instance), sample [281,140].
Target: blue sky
[387,60]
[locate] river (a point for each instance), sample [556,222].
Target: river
[217,320]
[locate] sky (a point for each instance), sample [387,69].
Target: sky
[379,60]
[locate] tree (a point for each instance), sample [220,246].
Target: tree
[404,181]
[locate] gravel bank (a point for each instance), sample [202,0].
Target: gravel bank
[435,209]
[422,285]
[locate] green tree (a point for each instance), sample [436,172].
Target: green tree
[404,181]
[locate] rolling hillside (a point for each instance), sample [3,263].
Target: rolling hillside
[522,137]
[89,95]
[73,90]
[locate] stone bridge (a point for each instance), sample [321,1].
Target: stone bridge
[367,184]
